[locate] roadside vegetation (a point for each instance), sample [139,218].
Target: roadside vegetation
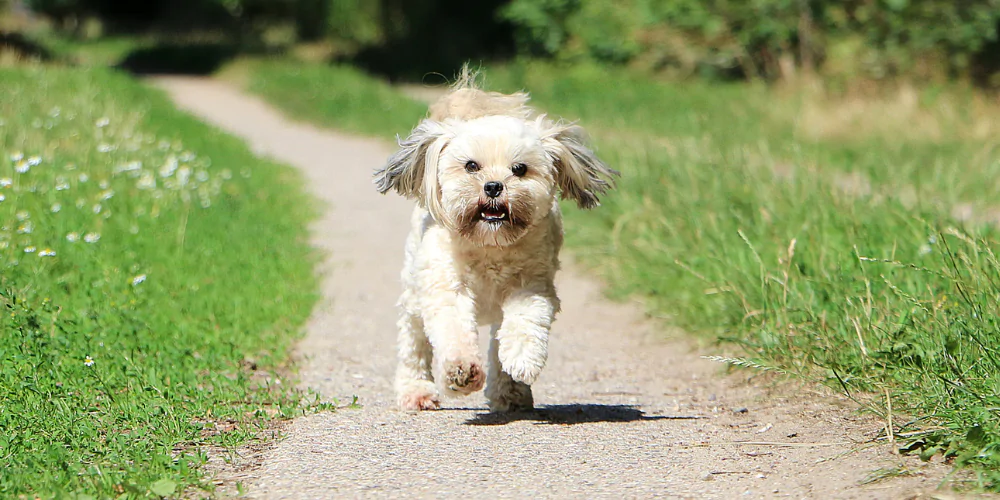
[784,189]
[856,251]
[154,275]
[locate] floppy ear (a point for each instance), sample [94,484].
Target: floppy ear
[412,171]
[581,175]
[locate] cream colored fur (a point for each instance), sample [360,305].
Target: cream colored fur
[472,259]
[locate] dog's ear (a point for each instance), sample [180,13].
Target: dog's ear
[581,175]
[410,169]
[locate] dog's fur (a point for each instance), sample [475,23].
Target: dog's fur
[472,259]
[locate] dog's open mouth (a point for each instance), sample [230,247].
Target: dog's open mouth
[494,213]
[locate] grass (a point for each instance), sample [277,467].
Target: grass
[154,275]
[829,250]
[339,96]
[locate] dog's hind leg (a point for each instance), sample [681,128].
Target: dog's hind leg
[415,388]
[502,391]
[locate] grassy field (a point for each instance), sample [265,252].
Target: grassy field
[821,233]
[154,275]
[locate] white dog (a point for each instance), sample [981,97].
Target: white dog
[483,249]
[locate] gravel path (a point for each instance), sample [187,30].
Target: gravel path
[626,408]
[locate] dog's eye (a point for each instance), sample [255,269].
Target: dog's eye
[471,166]
[519,169]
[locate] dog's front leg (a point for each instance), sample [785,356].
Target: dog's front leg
[450,323]
[524,333]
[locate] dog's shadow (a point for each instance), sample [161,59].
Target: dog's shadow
[572,414]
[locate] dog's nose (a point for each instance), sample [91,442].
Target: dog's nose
[493,189]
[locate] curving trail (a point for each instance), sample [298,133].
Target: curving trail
[626,409]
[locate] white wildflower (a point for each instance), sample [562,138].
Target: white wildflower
[61,184]
[105,147]
[22,167]
[48,252]
[29,249]
[88,361]
[104,184]
[56,207]
[107,194]
[6,182]
[54,112]
[183,174]
[169,167]
[73,237]
[83,177]
[34,160]
[226,174]
[138,279]
[16,156]
[91,237]
[2,197]
[147,181]
[102,122]
[22,215]
[26,228]
[187,156]
[4,245]
[201,176]
[97,208]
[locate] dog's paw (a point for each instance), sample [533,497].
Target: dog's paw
[510,396]
[418,396]
[464,377]
[522,368]
[419,402]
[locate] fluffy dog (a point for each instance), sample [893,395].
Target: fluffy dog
[485,171]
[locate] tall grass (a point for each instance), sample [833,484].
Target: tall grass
[732,221]
[154,273]
[832,254]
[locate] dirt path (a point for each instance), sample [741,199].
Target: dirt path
[623,411]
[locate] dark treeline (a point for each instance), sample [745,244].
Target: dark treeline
[768,39]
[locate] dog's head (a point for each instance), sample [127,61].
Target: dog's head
[489,170]
[492,178]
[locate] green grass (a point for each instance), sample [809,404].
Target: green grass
[735,223]
[815,231]
[154,275]
[338,96]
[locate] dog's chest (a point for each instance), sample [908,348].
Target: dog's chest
[490,282]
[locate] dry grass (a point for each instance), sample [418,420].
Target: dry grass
[901,113]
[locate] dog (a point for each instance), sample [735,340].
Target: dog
[486,171]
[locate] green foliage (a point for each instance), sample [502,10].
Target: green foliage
[135,335]
[356,21]
[759,38]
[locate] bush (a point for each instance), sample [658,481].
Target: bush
[766,38]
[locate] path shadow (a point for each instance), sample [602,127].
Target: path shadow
[23,47]
[573,414]
[182,58]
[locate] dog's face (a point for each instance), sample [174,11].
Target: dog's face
[493,178]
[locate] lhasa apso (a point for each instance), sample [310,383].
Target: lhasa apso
[486,172]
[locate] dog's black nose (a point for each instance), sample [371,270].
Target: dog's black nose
[493,189]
